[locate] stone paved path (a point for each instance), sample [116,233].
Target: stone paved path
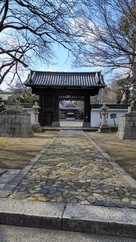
[72,170]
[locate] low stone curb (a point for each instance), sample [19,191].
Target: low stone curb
[78,218]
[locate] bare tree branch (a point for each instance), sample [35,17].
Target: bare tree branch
[109,34]
[29,28]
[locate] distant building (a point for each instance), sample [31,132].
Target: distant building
[69,111]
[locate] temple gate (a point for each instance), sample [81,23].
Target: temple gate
[51,86]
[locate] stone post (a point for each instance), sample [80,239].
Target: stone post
[36,126]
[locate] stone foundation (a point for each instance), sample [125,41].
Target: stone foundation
[104,128]
[15,123]
[36,128]
[55,124]
[86,124]
[127,126]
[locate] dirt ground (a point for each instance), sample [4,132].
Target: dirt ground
[15,153]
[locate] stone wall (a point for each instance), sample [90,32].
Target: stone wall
[127,126]
[15,124]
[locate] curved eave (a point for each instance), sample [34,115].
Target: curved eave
[66,87]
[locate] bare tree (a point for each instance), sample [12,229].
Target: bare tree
[108,29]
[29,28]
[118,91]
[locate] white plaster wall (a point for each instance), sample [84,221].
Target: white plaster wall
[96,120]
[31,111]
[95,116]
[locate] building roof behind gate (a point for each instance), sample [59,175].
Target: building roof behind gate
[65,79]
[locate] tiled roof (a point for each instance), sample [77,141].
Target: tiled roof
[110,106]
[70,105]
[65,79]
[27,105]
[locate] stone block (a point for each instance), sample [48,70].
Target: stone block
[99,220]
[15,124]
[127,126]
[32,214]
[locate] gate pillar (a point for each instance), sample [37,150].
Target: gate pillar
[55,122]
[86,122]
